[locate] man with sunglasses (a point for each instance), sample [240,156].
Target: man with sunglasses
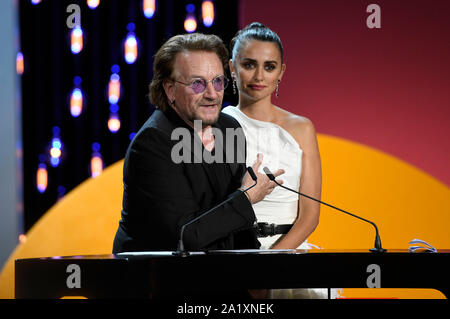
[160,194]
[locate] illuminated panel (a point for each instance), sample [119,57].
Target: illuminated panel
[55,148]
[131,45]
[76,102]
[76,40]
[96,165]
[19,63]
[22,238]
[41,178]
[96,161]
[190,23]
[93,3]
[149,8]
[55,156]
[114,120]
[114,123]
[114,86]
[208,13]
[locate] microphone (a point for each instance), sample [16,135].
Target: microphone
[378,248]
[180,250]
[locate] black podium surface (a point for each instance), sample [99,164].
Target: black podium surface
[164,275]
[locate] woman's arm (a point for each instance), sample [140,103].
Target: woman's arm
[310,184]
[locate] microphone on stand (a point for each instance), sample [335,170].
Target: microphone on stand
[180,250]
[378,248]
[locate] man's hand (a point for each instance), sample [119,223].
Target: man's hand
[264,186]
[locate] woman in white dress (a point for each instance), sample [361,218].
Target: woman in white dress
[283,140]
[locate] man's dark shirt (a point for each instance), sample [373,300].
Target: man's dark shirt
[160,196]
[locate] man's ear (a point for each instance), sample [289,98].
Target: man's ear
[169,89]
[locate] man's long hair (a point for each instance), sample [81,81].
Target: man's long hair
[165,57]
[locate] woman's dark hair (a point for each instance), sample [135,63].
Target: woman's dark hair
[165,58]
[254,31]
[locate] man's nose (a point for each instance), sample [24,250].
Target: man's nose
[210,91]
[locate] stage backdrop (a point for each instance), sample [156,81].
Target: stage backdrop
[379,100]
[384,87]
[379,78]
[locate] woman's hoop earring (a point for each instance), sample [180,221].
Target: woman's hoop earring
[276,90]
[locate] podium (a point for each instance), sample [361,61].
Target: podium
[164,275]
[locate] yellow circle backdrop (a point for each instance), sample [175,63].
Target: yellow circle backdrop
[403,201]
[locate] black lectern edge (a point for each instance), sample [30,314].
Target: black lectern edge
[138,254]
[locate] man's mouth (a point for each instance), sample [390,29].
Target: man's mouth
[208,105]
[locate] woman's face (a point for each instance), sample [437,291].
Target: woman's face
[257,69]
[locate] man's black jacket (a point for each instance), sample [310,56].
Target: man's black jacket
[160,196]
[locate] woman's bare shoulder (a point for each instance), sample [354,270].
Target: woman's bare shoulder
[296,124]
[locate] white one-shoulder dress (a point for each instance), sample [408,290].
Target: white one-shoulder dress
[280,150]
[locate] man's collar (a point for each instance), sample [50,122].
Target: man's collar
[175,119]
